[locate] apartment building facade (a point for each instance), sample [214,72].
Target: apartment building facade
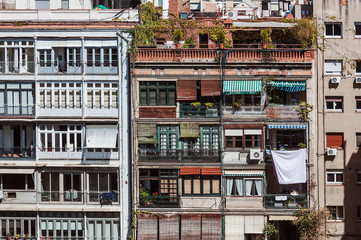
[64,129]
[338,115]
[204,124]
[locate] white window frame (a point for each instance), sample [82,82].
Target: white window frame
[99,192]
[337,213]
[358,62]
[334,173]
[244,191]
[49,92]
[104,89]
[334,101]
[333,30]
[358,172]
[357,24]
[46,131]
[23,59]
[334,69]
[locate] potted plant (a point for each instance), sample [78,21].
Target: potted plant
[238,103]
[221,38]
[189,43]
[196,105]
[177,37]
[266,38]
[208,105]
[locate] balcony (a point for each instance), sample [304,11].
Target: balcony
[19,110]
[281,111]
[55,68]
[60,153]
[188,111]
[17,153]
[285,201]
[16,67]
[101,154]
[59,112]
[230,111]
[19,196]
[101,112]
[233,55]
[160,201]
[70,195]
[101,69]
[179,155]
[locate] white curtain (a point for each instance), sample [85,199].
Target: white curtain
[258,184]
[248,187]
[229,186]
[101,136]
[239,186]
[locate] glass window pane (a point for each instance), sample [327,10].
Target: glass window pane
[197,186]
[187,186]
[215,186]
[206,186]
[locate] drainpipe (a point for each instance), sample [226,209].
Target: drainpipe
[123,134]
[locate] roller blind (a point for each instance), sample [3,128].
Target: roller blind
[147,227]
[210,88]
[189,130]
[147,133]
[191,226]
[101,136]
[334,139]
[254,224]
[234,227]
[168,227]
[186,90]
[211,226]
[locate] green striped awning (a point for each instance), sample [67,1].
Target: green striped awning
[242,87]
[289,86]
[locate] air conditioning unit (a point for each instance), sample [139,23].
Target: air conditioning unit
[1,195]
[358,80]
[255,154]
[335,80]
[232,15]
[331,151]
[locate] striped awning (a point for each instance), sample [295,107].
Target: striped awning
[190,171]
[242,87]
[232,173]
[289,86]
[287,126]
[211,171]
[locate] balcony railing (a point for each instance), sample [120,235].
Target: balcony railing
[101,153]
[19,110]
[70,195]
[96,197]
[17,67]
[55,68]
[101,69]
[60,153]
[19,196]
[281,111]
[244,110]
[188,111]
[179,155]
[285,201]
[160,201]
[17,152]
[233,55]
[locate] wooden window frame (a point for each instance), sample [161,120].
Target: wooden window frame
[144,86]
[201,178]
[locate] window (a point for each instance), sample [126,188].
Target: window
[333,67]
[336,213]
[358,140]
[358,214]
[64,95]
[201,185]
[209,137]
[72,187]
[157,93]
[244,187]
[333,29]
[289,139]
[17,181]
[60,138]
[16,98]
[334,177]
[243,138]
[358,29]
[334,104]
[50,186]
[168,137]
[358,103]
[334,140]
[102,95]
[100,183]
[358,67]
[358,176]
[19,56]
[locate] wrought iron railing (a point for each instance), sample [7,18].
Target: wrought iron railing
[179,155]
[160,201]
[188,111]
[285,201]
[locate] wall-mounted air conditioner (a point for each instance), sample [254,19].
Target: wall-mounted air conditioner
[232,15]
[336,79]
[255,154]
[331,151]
[1,195]
[358,80]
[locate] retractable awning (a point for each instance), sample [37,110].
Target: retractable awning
[289,86]
[287,126]
[242,87]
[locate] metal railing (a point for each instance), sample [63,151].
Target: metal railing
[55,68]
[179,155]
[19,110]
[97,196]
[17,67]
[70,195]
[19,196]
[162,201]
[17,152]
[286,201]
[188,111]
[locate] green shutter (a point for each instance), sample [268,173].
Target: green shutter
[189,130]
[147,133]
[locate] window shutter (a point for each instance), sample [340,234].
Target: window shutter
[186,90]
[211,226]
[189,130]
[147,227]
[191,226]
[169,227]
[147,133]
[210,88]
[334,139]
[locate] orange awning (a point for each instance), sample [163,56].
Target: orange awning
[190,171]
[211,171]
